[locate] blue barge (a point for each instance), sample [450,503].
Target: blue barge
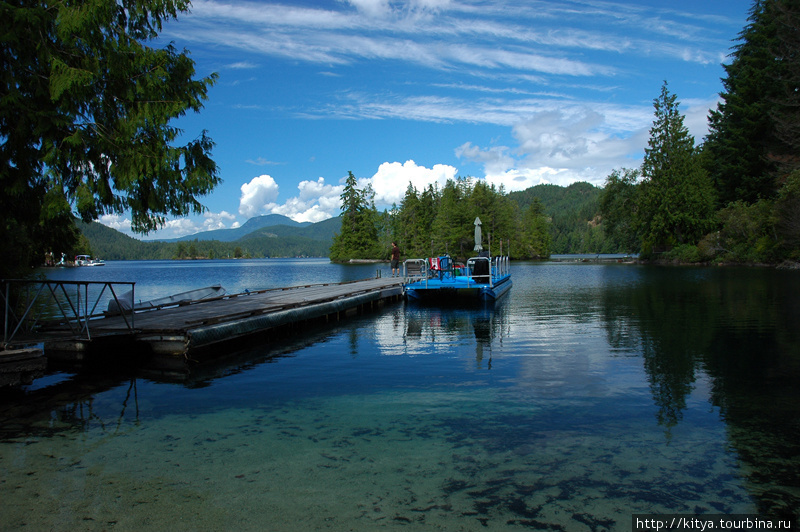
[440,280]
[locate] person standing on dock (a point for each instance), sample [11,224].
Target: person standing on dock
[395,260]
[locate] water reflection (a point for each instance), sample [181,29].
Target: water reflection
[81,403]
[425,330]
[738,327]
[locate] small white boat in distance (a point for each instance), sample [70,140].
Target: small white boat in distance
[87,260]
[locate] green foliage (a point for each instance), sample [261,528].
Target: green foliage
[742,139]
[574,226]
[618,207]
[358,238]
[747,232]
[750,155]
[84,119]
[534,241]
[786,113]
[417,212]
[787,213]
[685,253]
[452,229]
[675,202]
[435,222]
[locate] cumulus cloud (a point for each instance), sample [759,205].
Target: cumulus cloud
[174,228]
[257,195]
[179,227]
[171,229]
[391,180]
[496,160]
[217,220]
[116,221]
[316,201]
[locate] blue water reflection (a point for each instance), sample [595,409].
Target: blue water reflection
[591,393]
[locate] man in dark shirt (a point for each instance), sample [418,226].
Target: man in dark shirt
[395,260]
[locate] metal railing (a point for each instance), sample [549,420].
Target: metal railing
[415,270]
[32,307]
[490,269]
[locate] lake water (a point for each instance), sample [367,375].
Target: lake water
[591,393]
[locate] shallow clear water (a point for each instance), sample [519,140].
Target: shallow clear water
[590,393]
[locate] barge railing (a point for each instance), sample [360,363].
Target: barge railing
[30,307]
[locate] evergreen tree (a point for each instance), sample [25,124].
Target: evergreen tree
[676,203]
[618,210]
[535,234]
[84,118]
[786,112]
[497,214]
[358,238]
[428,209]
[452,229]
[742,140]
[417,213]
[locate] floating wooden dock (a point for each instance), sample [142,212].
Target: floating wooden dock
[202,330]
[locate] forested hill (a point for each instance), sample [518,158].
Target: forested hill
[574,216]
[298,240]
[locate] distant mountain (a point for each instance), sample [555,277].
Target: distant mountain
[285,239]
[251,225]
[323,231]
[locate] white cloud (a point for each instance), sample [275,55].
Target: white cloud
[257,195]
[171,229]
[696,116]
[116,221]
[179,227]
[316,201]
[214,220]
[564,146]
[443,34]
[242,65]
[174,228]
[391,180]
[260,161]
[495,160]
[576,144]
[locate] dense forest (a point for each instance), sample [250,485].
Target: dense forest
[435,221]
[736,196]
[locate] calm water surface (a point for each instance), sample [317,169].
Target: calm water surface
[591,393]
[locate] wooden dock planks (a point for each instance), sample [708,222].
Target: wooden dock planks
[182,331]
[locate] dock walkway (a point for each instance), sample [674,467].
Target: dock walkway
[188,331]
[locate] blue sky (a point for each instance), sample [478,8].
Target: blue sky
[514,92]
